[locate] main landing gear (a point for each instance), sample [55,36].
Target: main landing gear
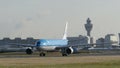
[42,54]
[64,54]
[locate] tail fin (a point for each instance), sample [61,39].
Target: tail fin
[65,33]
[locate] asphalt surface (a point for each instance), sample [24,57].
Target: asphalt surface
[23,55]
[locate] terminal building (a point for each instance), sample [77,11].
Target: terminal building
[119,38]
[100,43]
[80,40]
[7,41]
[110,41]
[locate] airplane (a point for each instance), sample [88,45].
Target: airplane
[48,45]
[54,45]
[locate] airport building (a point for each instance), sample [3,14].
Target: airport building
[100,43]
[7,41]
[111,40]
[119,38]
[80,40]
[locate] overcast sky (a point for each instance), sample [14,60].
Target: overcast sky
[47,18]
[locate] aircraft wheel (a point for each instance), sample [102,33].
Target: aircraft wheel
[64,54]
[42,54]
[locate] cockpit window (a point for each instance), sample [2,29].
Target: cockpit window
[38,43]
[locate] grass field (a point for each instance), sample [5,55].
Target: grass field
[62,62]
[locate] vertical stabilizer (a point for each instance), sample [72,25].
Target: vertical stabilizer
[65,33]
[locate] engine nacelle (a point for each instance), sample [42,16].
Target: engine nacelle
[71,50]
[29,51]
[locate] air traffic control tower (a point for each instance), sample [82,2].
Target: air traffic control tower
[88,27]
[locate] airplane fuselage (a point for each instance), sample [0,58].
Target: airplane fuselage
[51,44]
[45,45]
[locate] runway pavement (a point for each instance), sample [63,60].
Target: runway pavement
[23,55]
[21,60]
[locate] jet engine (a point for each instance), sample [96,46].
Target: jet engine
[29,51]
[69,50]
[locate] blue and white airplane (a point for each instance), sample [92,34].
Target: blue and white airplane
[47,45]
[61,45]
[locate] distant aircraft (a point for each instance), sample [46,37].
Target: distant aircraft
[48,45]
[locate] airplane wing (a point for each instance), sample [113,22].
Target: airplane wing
[86,45]
[93,44]
[23,45]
